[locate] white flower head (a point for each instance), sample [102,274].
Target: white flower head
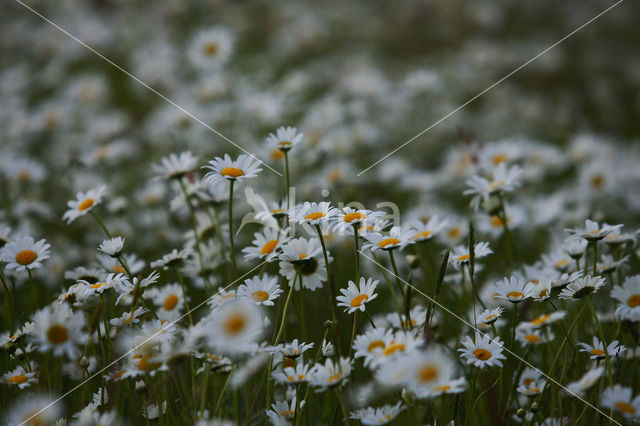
[285,138]
[354,297]
[25,253]
[84,203]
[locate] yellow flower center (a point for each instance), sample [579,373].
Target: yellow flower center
[277,211]
[423,234]
[358,300]
[18,379]
[119,269]
[302,256]
[464,258]
[541,319]
[428,373]
[269,246]
[260,296]
[210,49]
[375,344]
[597,352]
[482,354]
[454,233]
[350,217]
[515,295]
[496,221]
[394,347]
[57,334]
[287,413]
[86,204]
[232,172]
[562,263]
[388,242]
[314,216]
[170,302]
[625,407]
[634,301]
[146,364]
[97,285]
[528,381]
[276,154]
[334,378]
[285,144]
[25,257]
[597,181]
[532,390]
[499,158]
[533,338]
[490,317]
[235,324]
[442,388]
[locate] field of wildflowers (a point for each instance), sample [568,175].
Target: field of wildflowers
[299,213]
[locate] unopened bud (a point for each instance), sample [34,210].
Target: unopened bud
[413,261]
[328,324]
[534,406]
[19,354]
[492,205]
[521,413]
[83,362]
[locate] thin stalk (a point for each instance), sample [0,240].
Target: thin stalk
[353,332]
[184,294]
[33,289]
[604,343]
[472,389]
[357,252]
[332,287]
[192,213]
[287,177]
[594,249]
[513,329]
[233,249]
[101,223]
[286,306]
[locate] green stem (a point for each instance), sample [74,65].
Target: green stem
[286,306]
[33,289]
[357,252]
[233,250]
[353,332]
[594,246]
[101,223]
[332,287]
[472,389]
[287,178]
[604,343]
[513,330]
[184,294]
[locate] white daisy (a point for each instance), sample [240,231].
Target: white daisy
[312,213]
[306,257]
[285,138]
[451,386]
[58,329]
[589,378]
[489,316]
[425,231]
[330,374]
[539,291]
[597,351]
[372,344]
[629,297]
[575,246]
[169,300]
[210,48]
[532,389]
[86,289]
[429,369]
[582,287]
[261,290]
[245,167]
[396,238]
[281,412]
[175,166]
[511,289]
[355,297]
[593,232]
[84,203]
[129,317]
[174,259]
[112,246]
[482,352]
[291,349]
[266,244]
[504,180]
[528,336]
[234,324]
[546,319]
[370,416]
[621,399]
[23,412]
[347,218]
[25,253]
[460,254]
[20,377]
[291,375]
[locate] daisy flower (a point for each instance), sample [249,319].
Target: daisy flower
[539,291]
[281,412]
[210,48]
[370,416]
[482,352]
[169,300]
[20,377]
[291,375]
[593,232]
[234,324]
[629,297]
[621,399]
[489,316]
[425,231]
[402,343]
[112,246]
[128,317]
[4,235]
[111,264]
[261,290]
[355,297]
[574,246]
[24,253]
[312,213]
[597,351]
[397,238]
[330,374]
[24,411]
[429,369]
[511,289]
[347,218]
[449,387]
[84,203]
[532,389]
[528,336]
[245,167]
[174,259]
[504,180]
[372,344]
[58,329]
[285,138]
[266,244]
[546,319]
[583,384]
[87,289]
[582,287]
[292,349]
[306,257]
[460,255]
[175,166]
